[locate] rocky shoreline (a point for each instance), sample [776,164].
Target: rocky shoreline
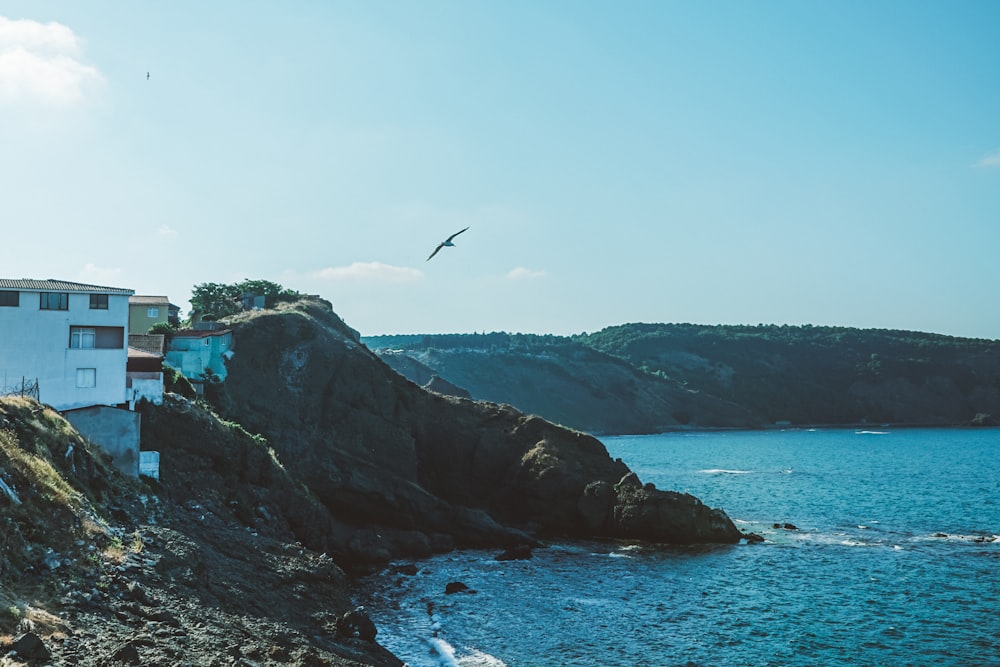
[313,460]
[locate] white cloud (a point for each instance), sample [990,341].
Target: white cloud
[370,272]
[991,160]
[40,63]
[96,275]
[166,232]
[38,36]
[521,273]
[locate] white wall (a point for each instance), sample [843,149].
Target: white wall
[147,386]
[34,343]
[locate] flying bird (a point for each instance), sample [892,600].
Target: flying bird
[147,76]
[446,243]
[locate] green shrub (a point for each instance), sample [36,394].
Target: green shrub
[175,382]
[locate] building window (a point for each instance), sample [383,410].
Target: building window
[54,301]
[9,298]
[86,378]
[152,312]
[98,301]
[100,338]
[82,338]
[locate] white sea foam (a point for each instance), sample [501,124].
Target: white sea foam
[446,656]
[444,652]
[724,471]
[589,602]
[480,659]
[871,433]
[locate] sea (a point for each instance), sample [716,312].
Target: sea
[882,547]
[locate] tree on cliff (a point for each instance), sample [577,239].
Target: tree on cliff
[217,300]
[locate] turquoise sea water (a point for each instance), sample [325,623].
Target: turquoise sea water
[896,561]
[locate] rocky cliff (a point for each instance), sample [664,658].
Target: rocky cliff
[406,471]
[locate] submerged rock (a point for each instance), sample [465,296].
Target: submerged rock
[519,552]
[453,587]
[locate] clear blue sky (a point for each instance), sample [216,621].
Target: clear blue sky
[793,162]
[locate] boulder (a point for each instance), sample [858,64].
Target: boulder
[456,587]
[126,654]
[30,647]
[668,517]
[356,624]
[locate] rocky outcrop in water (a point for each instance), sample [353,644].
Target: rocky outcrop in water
[630,510]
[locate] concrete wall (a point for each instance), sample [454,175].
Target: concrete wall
[145,385]
[149,464]
[114,430]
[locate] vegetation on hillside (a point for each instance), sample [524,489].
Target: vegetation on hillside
[214,301]
[808,374]
[57,494]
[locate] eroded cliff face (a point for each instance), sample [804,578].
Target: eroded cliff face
[406,471]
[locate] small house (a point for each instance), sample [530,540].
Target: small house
[197,353]
[146,311]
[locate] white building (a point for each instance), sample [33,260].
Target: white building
[70,337]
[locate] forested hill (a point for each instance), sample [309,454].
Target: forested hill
[726,375]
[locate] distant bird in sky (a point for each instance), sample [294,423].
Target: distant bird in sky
[147,76]
[446,243]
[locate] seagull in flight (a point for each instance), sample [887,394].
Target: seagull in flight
[445,244]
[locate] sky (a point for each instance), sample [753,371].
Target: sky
[775,162]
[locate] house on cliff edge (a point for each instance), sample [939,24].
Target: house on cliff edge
[65,344]
[201,354]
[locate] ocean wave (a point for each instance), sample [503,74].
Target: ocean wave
[871,433]
[443,652]
[480,659]
[446,656]
[724,471]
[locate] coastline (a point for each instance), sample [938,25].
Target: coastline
[802,427]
